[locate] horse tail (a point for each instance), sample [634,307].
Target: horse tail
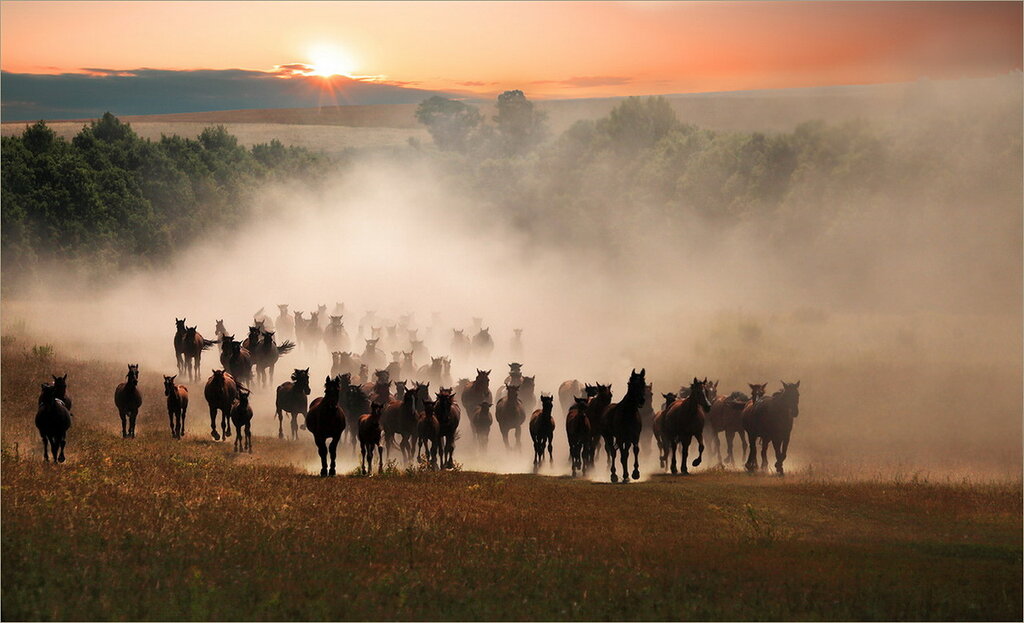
[285,347]
[208,343]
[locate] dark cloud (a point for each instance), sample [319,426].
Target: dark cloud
[588,81]
[156,91]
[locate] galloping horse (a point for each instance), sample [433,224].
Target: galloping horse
[291,399]
[241,417]
[478,391]
[60,388]
[266,355]
[193,348]
[771,420]
[577,429]
[542,430]
[53,421]
[622,426]
[685,420]
[128,399]
[448,415]
[399,418]
[658,425]
[326,420]
[567,393]
[220,393]
[179,343]
[510,415]
[427,431]
[177,406]
[727,415]
[596,408]
[369,440]
[481,421]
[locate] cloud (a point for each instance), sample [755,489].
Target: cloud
[26,97]
[475,83]
[588,81]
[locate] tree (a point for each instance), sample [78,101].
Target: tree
[521,126]
[639,123]
[451,123]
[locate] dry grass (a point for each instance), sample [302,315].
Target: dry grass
[154,528]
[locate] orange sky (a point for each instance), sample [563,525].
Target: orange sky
[549,49]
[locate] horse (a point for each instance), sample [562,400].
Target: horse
[394,368]
[179,343]
[372,356]
[623,426]
[577,430]
[369,439]
[432,373]
[266,356]
[567,393]
[220,393]
[427,432]
[299,323]
[321,317]
[335,336]
[261,319]
[240,363]
[313,331]
[460,345]
[380,389]
[344,363]
[483,345]
[285,323]
[128,399]
[515,374]
[53,419]
[516,345]
[409,369]
[219,330]
[355,403]
[542,430]
[177,406]
[291,399]
[771,420]
[478,391]
[241,417]
[60,388]
[193,348]
[481,421]
[510,415]
[448,415]
[419,350]
[683,421]
[658,423]
[251,340]
[326,420]
[647,418]
[399,418]
[726,414]
[596,408]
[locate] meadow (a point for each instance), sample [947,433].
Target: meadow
[154,528]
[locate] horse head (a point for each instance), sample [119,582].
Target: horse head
[791,397]
[698,389]
[169,385]
[301,379]
[179,325]
[757,391]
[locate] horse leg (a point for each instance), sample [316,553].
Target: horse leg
[751,463]
[321,449]
[764,453]
[700,448]
[504,436]
[362,458]
[61,441]
[729,433]
[295,426]
[272,373]
[124,424]
[213,423]
[181,422]
[280,423]
[671,449]
[334,453]
[624,459]
[248,438]
[46,456]
[551,455]
[718,446]
[636,461]
[779,455]
[237,446]
[609,449]
[171,421]
[519,437]
[225,423]
[380,459]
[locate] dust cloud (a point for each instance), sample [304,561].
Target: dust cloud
[902,321]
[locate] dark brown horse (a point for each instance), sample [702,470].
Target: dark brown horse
[771,421]
[220,392]
[291,399]
[369,440]
[684,421]
[596,408]
[240,363]
[399,418]
[623,426]
[481,420]
[427,432]
[326,421]
[52,421]
[241,417]
[726,415]
[266,356]
[355,403]
[478,391]
[335,336]
[577,430]
[60,388]
[567,393]
[542,430]
[177,406]
[658,423]
[128,399]
[448,415]
[193,348]
[179,343]
[510,415]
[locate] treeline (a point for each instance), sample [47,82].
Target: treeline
[109,199]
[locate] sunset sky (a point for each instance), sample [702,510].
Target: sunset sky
[550,50]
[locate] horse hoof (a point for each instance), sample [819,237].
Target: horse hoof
[61,460]
[323,473]
[615,478]
[302,427]
[215,436]
[696,461]
[280,435]
[636,474]
[227,434]
[331,473]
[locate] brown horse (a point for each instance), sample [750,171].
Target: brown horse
[220,392]
[683,421]
[326,420]
[335,336]
[542,430]
[658,423]
[285,323]
[355,403]
[128,399]
[241,417]
[177,406]
[431,373]
[52,421]
[371,355]
[460,345]
[482,343]
[399,418]
[567,393]
[344,363]
[179,343]
[448,415]
[266,356]
[623,426]
[369,440]
[193,348]
[240,363]
[771,421]
[577,429]
[481,421]
[596,408]
[510,415]
[60,388]
[427,432]
[478,391]
[726,415]
[291,399]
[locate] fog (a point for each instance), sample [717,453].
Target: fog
[902,322]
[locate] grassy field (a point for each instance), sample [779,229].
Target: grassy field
[153,528]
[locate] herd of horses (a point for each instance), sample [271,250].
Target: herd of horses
[384,413]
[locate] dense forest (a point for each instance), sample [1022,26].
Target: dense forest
[109,199]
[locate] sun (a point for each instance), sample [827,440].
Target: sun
[328,60]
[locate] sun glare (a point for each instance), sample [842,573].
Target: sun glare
[329,61]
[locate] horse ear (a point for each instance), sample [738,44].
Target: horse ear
[695,381]
[797,384]
[327,379]
[643,371]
